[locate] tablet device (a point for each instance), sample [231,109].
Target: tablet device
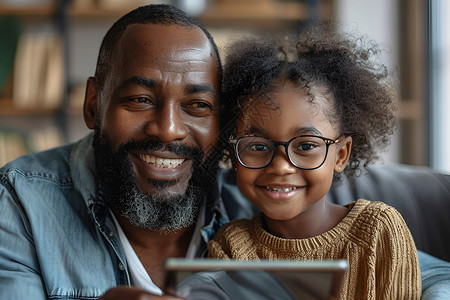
[266,279]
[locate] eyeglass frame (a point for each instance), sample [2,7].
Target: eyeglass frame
[234,141]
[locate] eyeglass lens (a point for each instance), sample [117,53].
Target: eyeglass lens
[306,152]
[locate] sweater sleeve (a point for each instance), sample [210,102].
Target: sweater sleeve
[215,250]
[397,267]
[233,241]
[221,246]
[217,246]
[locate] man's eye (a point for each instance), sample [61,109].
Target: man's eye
[141,99]
[200,105]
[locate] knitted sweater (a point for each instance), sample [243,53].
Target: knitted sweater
[373,238]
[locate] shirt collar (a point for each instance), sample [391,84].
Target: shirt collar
[82,166]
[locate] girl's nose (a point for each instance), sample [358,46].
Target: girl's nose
[280,164]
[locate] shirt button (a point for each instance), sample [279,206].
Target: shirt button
[111,233]
[121,267]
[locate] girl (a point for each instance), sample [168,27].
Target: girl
[307,112]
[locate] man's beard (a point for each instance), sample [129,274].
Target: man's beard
[159,210]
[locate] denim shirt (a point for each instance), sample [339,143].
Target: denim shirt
[57,237]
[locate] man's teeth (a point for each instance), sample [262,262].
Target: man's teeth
[161,162]
[280,190]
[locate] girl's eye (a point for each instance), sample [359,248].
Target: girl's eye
[305,147]
[258,147]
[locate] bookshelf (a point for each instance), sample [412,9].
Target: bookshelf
[33,93]
[53,98]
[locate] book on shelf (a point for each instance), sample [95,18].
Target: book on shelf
[38,80]
[54,73]
[10,30]
[14,143]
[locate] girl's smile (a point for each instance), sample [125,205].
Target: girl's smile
[280,192]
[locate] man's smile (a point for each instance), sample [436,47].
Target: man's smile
[162,166]
[160,162]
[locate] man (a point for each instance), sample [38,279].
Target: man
[87,218]
[82,219]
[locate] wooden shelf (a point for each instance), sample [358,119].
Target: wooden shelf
[7,108]
[95,11]
[255,13]
[229,13]
[36,10]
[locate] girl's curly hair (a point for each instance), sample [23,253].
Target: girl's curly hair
[362,103]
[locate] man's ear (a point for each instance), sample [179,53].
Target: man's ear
[90,107]
[343,154]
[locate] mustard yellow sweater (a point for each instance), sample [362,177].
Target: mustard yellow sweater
[373,237]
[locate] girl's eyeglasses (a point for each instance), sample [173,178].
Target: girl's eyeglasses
[306,152]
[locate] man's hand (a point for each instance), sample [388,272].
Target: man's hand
[132,293]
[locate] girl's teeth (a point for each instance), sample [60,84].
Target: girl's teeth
[280,190]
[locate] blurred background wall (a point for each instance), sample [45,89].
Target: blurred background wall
[48,49]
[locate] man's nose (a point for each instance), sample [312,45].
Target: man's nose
[167,124]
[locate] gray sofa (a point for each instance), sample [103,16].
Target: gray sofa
[420,194]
